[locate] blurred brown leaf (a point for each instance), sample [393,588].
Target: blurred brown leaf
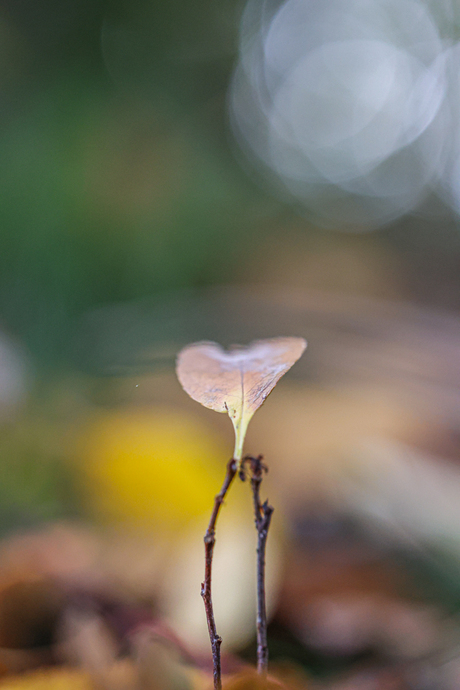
[251,680]
[28,613]
[239,380]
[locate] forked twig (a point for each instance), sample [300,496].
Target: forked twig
[237,381]
[209,541]
[262,517]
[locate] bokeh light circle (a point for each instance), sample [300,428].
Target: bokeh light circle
[341,108]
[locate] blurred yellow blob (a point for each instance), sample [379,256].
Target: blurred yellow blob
[49,680]
[152,466]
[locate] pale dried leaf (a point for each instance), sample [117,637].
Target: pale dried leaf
[236,381]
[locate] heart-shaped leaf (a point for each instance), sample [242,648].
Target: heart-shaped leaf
[236,381]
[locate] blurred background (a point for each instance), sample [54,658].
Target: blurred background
[173,172]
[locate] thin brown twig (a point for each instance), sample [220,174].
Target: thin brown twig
[262,517]
[209,541]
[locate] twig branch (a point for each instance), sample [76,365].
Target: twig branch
[209,541]
[262,517]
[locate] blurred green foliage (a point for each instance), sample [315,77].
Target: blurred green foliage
[35,484]
[116,179]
